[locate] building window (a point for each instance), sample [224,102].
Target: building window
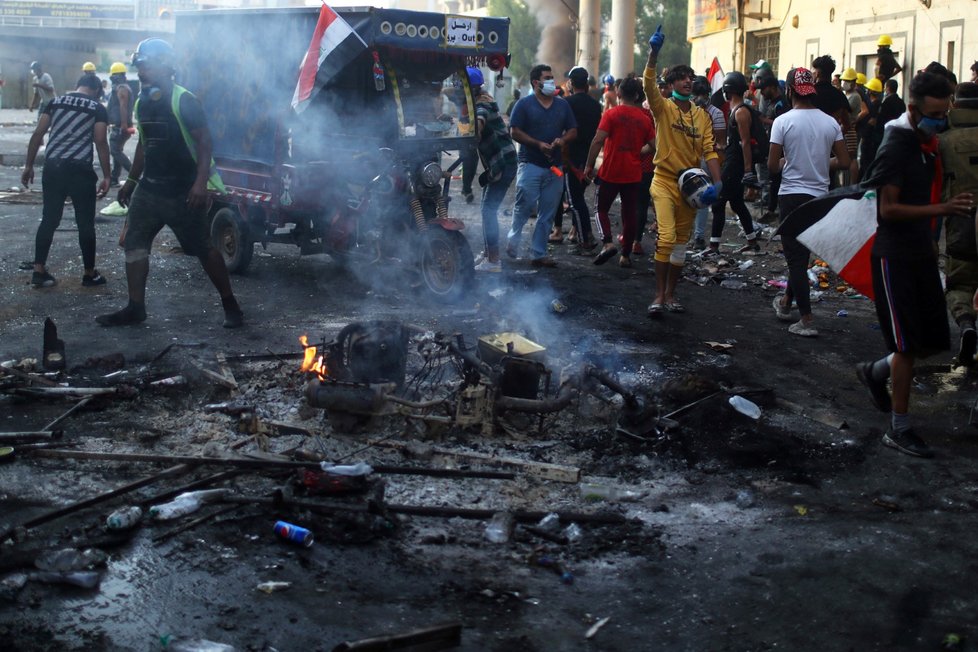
[764,45]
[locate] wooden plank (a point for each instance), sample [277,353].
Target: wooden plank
[541,470]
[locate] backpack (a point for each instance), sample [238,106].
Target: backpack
[760,142]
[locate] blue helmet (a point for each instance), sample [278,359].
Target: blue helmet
[475,76]
[153,50]
[608,79]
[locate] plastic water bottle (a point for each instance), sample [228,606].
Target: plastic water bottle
[500,527]
[358,469]
[185,503]
[745,407]
[174,644]
[70,559]
[125,518]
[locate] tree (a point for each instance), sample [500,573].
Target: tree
[524,36]
[672,15]
[649,14]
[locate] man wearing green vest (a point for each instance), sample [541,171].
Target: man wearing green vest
[959,157]
[168,184]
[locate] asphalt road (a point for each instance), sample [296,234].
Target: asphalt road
[838,543]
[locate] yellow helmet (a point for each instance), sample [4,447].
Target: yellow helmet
[849,74]
[861,79]
[884,40]
[88,66]
[874,85]
[117,68]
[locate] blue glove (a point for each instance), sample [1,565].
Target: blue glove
[656,40]
[712,194]
[750,179]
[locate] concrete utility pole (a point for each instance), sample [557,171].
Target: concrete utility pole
[589,36]
[622,37]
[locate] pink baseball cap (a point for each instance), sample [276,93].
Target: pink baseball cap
[803,82]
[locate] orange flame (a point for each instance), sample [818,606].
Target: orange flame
[310,361]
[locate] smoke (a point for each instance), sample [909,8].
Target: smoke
[558,41]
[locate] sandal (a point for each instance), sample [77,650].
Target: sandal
[675,306]
[605,255]
[655,310]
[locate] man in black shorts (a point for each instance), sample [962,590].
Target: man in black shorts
[909,298]
[173,169]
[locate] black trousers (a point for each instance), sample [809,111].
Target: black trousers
[642,203]
[733,193]
[470,163]
[796,255]
[574,189]
[59,181]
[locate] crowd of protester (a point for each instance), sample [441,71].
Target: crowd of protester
[668,142]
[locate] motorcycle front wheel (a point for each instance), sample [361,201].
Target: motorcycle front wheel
[447,264]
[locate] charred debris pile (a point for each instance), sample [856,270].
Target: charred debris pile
[359,437]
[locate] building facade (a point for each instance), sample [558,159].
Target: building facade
[790,33]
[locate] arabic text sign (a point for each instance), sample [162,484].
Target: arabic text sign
[709,16]
[105,9]
[461,31]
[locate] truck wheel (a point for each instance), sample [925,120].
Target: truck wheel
[229,235]
[447,266]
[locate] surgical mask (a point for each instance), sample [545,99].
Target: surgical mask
[676,95]
[548,87]
[931,126]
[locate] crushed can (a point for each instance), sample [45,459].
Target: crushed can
[558,306]
[293,533]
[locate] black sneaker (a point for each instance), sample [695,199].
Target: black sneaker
[906,441]
[967,347]
[233,318]
[42,280]
[94,280]
[877,388]
[127,316]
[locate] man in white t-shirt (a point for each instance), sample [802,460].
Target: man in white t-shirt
[803,142]
[43,87]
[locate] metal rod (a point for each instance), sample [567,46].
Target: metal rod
[27,437]
[194,523]
[29,377]
[523,517]
[94,500]
[262,464]
[77,406]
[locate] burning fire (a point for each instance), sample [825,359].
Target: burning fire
[310,361]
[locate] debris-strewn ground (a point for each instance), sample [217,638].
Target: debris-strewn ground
[786,533]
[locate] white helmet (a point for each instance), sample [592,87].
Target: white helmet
[693,184]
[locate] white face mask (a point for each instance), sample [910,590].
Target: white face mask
[548,87]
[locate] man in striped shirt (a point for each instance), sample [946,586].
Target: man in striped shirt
[76,120]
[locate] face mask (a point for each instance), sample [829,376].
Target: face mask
[676,95]
[548,87]
[931,126]
[700,101]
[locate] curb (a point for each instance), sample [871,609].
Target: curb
[18,160]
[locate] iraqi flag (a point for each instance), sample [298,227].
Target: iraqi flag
[334,45]
[840,229]
[715,75]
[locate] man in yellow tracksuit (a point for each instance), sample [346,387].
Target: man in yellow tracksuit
[684,136]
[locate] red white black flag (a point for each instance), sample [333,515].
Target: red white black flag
[715,75]
[844,239]
[334,45]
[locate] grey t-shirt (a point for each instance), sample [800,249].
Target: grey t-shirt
[45,78]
